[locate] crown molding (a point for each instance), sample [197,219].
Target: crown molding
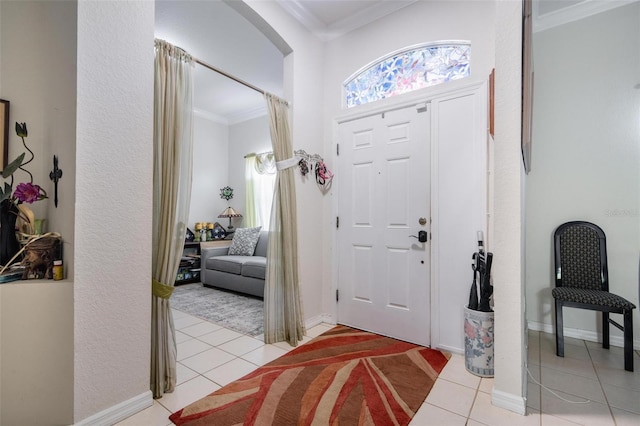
[207,115]
[324,32]
[247,115]
[573,13]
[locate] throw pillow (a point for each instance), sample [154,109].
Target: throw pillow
[244,241]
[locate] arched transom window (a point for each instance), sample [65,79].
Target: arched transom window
[407,70]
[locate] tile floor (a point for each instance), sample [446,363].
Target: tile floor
[210,356]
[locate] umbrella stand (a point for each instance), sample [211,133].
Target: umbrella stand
[479,317]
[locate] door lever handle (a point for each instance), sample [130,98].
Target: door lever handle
[422,236]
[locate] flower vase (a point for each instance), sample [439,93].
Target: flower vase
[9,244]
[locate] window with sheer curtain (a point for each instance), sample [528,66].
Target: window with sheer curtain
[260,177]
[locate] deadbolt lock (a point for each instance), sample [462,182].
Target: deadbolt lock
[422,221]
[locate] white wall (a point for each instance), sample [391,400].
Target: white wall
[38,77]
[210,169]
[114,149]
[244,138]
[508,223]
[585,156]
[303,74]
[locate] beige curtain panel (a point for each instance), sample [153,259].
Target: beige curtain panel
[283,318]
[172,170]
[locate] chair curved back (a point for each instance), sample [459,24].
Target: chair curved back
[581,256]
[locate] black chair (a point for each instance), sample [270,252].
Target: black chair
[582,281]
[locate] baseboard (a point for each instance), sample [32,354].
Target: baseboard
[319,319]
[119,412]
[576,333]
[509,401]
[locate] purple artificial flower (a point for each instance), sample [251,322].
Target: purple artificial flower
[28,192]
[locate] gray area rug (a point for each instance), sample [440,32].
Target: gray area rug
[237,312]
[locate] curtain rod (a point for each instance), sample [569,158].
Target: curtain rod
[219,71]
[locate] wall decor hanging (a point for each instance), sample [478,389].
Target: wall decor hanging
[55,176]
[226,193]
[314,163]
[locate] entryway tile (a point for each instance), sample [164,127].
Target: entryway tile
[190,348]
[619,377]
[451,397]
[624,399]
[486,385]
[582,387]
[185,321]
[533,396]
[207,360]
[455,371]
[200,329]
[484,412]
[241,345]
[232,370]
[578,367]
[549,420]
[589,414]
[181,337]
[264,354]
[184,374]
[625,418]
[431,415]
[219,337]
[286,346]
[156,415]
[187,393]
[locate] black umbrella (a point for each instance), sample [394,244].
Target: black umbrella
[481,270]
[473,296]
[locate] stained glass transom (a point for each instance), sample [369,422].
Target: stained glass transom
[409,70]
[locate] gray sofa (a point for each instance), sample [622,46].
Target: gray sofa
[244,274]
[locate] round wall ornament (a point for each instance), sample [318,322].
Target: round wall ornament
[226,193]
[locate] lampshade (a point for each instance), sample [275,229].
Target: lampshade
[229,212]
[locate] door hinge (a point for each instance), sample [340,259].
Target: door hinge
[338,149]
[337,222]
[421,108]
[337,295]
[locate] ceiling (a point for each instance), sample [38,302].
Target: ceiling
[329,19]
[215,33]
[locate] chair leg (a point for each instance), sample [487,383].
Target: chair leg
[605,330]
[628,340]
[559,330]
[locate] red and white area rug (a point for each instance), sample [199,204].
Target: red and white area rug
[342,377]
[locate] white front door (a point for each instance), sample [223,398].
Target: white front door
[383,269]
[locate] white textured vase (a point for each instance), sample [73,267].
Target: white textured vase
[478,342]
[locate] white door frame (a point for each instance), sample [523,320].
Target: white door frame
[427,95]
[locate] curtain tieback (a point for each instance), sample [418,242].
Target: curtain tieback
[161,290]
[287,164]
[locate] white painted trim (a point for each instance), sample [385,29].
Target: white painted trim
[319,319]
[329,32]
[246,115]
[509,401]
[576,333]
[447,348]
[572,13]
[426,94]
[119,412]
[452,89]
